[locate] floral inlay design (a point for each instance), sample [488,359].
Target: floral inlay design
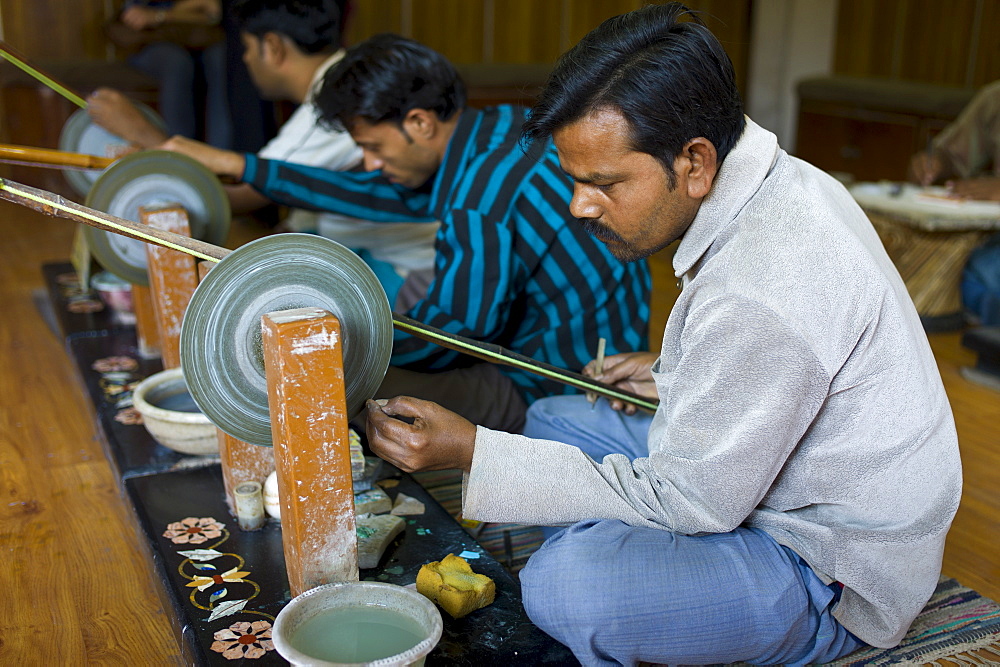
[193,530]
[112,364]
[202,582]
[128,416]
[84,305]
[243,640]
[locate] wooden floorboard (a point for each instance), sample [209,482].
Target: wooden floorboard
[77,587]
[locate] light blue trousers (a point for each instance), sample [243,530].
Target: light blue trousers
[619,594]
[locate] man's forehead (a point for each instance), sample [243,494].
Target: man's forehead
[592,140]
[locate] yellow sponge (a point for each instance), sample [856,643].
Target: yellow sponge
[453,585]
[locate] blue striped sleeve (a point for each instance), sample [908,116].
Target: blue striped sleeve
[359,195]
[471,292]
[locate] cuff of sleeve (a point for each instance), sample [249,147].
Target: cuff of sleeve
[251,168]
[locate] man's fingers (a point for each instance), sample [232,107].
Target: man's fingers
[404,406]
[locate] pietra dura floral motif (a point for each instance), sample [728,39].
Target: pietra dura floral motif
[118,379]
[243,640]
[220,586]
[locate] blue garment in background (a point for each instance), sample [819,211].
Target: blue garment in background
[981,282]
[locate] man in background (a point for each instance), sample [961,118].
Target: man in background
[966,154]
[288,47]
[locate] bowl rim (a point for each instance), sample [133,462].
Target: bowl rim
[145,408]
[296,657]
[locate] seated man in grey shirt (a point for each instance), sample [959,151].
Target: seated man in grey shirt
[789,500]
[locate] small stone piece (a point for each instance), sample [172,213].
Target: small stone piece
[272,502]
[373,465]
[357,455]
[374,501]
[375,533]
[453,585]
[407,505]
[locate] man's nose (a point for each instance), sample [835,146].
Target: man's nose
[582,205]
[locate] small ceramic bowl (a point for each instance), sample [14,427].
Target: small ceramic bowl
[170,415]
[347,597]
[114,292]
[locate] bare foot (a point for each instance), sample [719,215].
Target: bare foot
[118,115]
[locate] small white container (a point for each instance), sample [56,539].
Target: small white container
[181,431]
[348,597]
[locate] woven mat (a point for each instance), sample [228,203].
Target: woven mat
[509,543]
[957,627]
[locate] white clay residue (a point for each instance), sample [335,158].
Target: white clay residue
[294,314]
[322,340]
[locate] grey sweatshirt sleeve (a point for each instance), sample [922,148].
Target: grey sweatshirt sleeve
[745,388]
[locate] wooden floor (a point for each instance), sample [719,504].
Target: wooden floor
[76,585]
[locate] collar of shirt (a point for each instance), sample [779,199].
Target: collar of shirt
[320,72]
[741,175]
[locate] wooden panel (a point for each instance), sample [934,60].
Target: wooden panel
[582,16]
[372,17]
[971,552]
[869,146]
[55,30]
[527,31]
[986,67]
[729,21]
[919,40]
[866,33]
[936,41]
[452,27]
[77,587]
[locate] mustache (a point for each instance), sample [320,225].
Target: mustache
[599,230]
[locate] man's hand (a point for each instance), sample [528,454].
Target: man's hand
[925,168]
[630,371]
[986,188]
[219,161]
[438,439]
[139,17]
[111,110]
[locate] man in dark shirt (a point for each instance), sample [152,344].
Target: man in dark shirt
[512,268]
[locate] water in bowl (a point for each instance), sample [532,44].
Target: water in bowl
[178,402]
[356,634]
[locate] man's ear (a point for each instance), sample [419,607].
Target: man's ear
[273,48]
[421,123]
[701,162]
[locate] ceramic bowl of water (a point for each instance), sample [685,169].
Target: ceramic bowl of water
[116,294]
[357,623]
[171,416]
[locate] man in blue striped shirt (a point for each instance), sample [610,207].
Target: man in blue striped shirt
[513,267]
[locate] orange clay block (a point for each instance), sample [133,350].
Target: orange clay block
[242,462]
[172,279]
[305,391]
[146,329]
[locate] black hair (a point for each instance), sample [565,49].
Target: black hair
[313,25]
[670,80]
[383,78]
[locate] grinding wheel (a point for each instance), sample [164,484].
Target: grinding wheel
[154,178]
[221,351]
[81,134]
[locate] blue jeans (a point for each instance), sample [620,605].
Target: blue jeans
[619,594]
[177,70]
